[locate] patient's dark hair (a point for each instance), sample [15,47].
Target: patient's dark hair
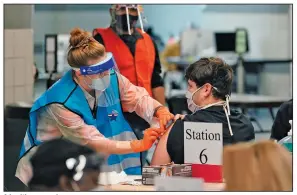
[213,71]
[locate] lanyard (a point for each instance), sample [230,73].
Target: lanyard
[226,107]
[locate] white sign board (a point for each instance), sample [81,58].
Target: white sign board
[203,143]
[178,184]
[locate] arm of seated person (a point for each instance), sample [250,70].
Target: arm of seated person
[161,155]
[170,146]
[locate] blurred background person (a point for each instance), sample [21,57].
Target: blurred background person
[281,125]
[170,50]
[171,39]
[260,166]
[74,168]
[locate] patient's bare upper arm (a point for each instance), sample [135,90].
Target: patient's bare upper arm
[161,155]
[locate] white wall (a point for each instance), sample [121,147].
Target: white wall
[268,32]
[269,37]
[18,65]
[59,22]
[18,53]
[21,20]
[167,19]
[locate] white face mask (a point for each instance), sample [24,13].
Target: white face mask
[191,104]
[100,84]
[194,107]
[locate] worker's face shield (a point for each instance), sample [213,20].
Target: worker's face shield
[127,16]
[98,77]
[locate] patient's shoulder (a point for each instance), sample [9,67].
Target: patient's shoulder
[196,117]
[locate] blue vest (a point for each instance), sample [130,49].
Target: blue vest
[109,121]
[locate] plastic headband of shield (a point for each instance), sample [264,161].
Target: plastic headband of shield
[129,6]
[102,66]
[78,165]
[139,9]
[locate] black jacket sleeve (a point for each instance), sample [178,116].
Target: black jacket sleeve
[157,80]
[281,125]
[175,142]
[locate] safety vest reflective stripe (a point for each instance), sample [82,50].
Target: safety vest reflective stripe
[27,143]
[124,164]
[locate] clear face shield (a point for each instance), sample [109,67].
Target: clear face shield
[127,17]
[98,77]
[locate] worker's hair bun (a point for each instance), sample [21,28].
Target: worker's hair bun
[82,48]
[78,37]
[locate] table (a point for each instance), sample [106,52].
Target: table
[256,101]
[247,100]
[119,187]
[125,187]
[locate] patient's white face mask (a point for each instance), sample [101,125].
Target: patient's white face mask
[191,104]
[194,107]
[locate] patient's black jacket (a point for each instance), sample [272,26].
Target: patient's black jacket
[242,128]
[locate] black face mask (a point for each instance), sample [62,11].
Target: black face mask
[122,22]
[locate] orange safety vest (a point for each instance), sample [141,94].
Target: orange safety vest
[139,68]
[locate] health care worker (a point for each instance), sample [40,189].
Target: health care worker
[86,106]
[209,89]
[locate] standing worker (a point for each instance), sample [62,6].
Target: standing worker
[86,106]
[135,53]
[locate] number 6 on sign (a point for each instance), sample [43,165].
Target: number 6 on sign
[203,147]
[203,155]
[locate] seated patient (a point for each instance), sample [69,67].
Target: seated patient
[209,88]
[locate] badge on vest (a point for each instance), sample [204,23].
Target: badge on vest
[113,116]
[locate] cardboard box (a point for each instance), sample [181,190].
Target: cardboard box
[169,170]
